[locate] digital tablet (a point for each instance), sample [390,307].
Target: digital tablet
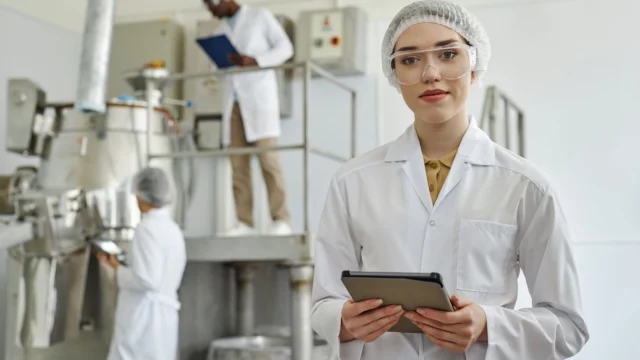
[108,247]
[409,290]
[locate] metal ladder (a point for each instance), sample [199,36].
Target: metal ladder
[499,112]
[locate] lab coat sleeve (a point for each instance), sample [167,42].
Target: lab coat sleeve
[336,250]
[554,328]
[146,263]
[280,47]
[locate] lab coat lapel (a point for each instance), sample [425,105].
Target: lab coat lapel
[475,149]
[239,27]
[407,149]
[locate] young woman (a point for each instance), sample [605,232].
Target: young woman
[445,198]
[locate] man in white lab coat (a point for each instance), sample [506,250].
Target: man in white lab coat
[251,111]
[146,321]
[445,198]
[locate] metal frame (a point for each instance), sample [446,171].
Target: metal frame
[492,99]
[295,251]
[308,68]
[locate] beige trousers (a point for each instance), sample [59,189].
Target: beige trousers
[271,171]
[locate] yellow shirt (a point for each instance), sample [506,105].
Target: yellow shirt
[437,171]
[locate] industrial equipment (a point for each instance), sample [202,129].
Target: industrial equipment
[335,39]
[61,301]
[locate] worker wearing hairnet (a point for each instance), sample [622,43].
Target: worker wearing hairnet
[445,198]
[146,321]
[251,109]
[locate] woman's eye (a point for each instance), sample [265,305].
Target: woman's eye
[409,61]
[448,55]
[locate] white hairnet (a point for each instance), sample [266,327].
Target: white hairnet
[443,13]
[151,185]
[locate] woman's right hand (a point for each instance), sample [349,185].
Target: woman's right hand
[367,321]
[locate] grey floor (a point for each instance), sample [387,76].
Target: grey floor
[87,346]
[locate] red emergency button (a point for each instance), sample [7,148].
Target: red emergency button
[335,41]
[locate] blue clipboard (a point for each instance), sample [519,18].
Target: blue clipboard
[218,49]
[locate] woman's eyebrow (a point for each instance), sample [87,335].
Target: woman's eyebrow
[438,44]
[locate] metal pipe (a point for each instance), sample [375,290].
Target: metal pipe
[328,76]
[521,133]
[12,234]
[227,152]
[354,122]
[231,71]
[328,155]
[507,127]
[150,87]
[94,60]
[301,331]
[245,298]
[306,97]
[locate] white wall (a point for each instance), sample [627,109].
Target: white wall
[56,49]
[574,71]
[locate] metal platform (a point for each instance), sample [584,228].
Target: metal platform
[293,248]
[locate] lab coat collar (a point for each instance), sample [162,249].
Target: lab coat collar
[163,211]
[476,147]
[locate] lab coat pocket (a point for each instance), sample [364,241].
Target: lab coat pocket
[485,252]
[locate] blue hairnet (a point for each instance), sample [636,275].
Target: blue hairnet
[152,185]
[443,13]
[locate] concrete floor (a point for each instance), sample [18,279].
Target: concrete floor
[87,346]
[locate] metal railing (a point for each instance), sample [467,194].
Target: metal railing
[308,69]
[494,101]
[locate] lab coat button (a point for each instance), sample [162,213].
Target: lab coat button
[432,223]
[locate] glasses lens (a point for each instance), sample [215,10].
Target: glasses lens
[450,63]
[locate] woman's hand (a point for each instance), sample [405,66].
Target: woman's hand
[367,321]
[109,260]
[455,331]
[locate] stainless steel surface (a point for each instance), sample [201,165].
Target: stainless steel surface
[314,39]
[94,60]
[246,298]
[84,184]
[493,119]
[226,152]
[45,300]
[259,248]
[137,43]
[115,148]
[25,101]
[301,334]
[15,234]
[22,180]
[137,79]
[262,348]
[306,97]
[285,76]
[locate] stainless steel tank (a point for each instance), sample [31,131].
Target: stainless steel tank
[81,191]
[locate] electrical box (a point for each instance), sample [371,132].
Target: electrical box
[25,107]
[334,39]
[135,44]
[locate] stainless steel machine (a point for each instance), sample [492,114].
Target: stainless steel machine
[60,300]
[81,191]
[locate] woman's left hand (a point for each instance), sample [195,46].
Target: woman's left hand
[109,260]
[455,331]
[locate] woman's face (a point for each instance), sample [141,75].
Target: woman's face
[437,108]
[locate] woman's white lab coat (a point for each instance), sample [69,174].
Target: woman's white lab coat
[146,324]
[495,215]
[258,34]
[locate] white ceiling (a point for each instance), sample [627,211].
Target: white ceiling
[69,14]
